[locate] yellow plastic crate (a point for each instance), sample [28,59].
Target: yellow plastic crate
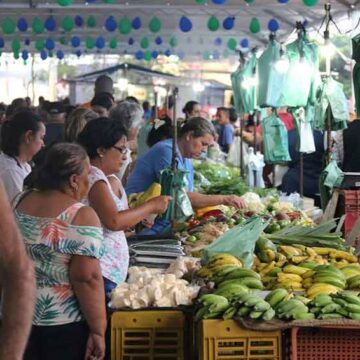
[151,335]
[226,339]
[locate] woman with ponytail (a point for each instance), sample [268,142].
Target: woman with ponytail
[21,138]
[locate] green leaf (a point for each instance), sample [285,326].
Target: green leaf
[44,309]
[40,253]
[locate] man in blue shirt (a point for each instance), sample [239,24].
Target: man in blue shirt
[226,135]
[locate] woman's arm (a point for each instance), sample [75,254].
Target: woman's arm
[101,200]
[87,281]
[18,286]
[199,201]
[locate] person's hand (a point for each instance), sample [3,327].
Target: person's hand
[159,204]
[234,201]
[95,347]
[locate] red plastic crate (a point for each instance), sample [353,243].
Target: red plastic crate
[323,343]
[351,206]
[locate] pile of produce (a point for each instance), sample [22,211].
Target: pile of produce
[153,288]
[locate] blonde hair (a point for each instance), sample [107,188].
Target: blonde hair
[76,122]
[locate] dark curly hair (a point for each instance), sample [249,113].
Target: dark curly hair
[100,133]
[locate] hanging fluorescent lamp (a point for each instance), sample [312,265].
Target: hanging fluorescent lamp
[327,50]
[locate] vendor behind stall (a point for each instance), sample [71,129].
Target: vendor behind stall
[195,136]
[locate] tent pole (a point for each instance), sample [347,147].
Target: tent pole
[302,175]
[242,172]
[174,148]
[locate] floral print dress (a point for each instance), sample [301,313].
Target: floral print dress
[51,243]
[115,261]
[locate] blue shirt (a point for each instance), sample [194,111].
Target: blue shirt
[226,137]
[148,167]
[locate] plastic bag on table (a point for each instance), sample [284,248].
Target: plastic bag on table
[173,184]
[239,241]
[234,153]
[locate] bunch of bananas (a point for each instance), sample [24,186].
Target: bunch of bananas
[352,276]
[287,306]
[324,279]
[238,281]
[285,267]
[289,277]
[212,307]
[344,304]
[249,305]
[219,266]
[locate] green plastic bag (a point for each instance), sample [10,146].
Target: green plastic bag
[174,185]
[276,148]
[244,88]
[239,241]
[331,95]
[331,177]
[303,76]
[271,79]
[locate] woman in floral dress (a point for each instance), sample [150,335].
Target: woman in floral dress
[64,239]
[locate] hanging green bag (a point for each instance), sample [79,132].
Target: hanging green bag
[174,184]
[244,86]
[331,177]
[276,148]
[331,95]
[301,79]
[272,79]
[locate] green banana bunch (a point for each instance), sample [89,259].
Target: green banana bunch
[276,297]
[255,307]
[292,310]
[231,289]
[213,306]
[249,282]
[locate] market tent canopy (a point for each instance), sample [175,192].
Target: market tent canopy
[146,28]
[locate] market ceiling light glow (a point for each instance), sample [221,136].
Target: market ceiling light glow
[282,65]
[198,87]
[327,50]
[123,83]
[249,82]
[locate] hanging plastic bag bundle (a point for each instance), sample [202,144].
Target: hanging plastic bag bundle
[244,84]
[331,95]
[273,65]
[276,149]
[331,177]
[306,137]
[304,61]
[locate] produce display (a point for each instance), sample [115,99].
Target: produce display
[212,222]
[153,288]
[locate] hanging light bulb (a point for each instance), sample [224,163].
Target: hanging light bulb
[282,64]
[327,50]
